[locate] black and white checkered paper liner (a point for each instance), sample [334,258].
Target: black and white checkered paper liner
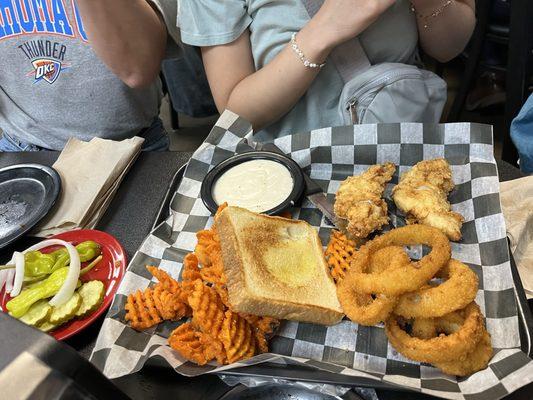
[330,155]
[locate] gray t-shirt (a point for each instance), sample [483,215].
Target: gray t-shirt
[53,86]
[392,38]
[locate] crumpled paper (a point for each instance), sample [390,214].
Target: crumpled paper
[91,173]
[517,204]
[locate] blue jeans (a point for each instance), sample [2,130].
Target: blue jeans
[522,136]
[10,145]
[155,139]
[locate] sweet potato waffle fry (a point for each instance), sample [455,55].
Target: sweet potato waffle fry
[141,310]
[238,337]
[338,254]
[215,331]
[207,308]
[190,274]
[170,305]
[165,280]
[196,346]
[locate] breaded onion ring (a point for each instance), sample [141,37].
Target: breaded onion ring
[407,278]
[475,361]
[366,309]
[391,257]
[455,293]
[446,347]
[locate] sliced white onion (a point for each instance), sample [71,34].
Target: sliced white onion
[69,286]
[3,278]
[9,280]
[19,273]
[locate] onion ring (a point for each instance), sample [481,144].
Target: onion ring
[441,348]
[366,309]
[475,361]
[407,278]
[391,257]
[455,293]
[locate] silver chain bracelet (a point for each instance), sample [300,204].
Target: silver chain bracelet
[301,56]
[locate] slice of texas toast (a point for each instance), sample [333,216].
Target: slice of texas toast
[275,267]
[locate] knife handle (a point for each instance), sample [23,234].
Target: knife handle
[311,187]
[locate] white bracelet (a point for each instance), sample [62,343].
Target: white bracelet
[301,55]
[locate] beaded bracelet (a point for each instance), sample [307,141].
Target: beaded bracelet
[433,14]
[301,56]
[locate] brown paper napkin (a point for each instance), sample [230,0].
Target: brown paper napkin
[91,173]
[517,204]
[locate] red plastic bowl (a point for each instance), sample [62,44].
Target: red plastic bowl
[109,270]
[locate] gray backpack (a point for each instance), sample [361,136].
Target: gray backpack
[388,92]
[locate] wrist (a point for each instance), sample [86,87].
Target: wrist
[315,44]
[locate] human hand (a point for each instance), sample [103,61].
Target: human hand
[340,20]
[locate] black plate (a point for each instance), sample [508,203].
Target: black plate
[27,193]
[217,171]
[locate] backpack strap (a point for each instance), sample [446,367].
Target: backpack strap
[349,57]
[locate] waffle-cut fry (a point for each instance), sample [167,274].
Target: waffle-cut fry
[189,275]
[196,346]
[164,279]
[170,305]
[238,338]
[266,325]
[338,254]
[221,208]
[207,308]
[213,275]
[261,341]
[191,271]
[141,311]
[222,292]
[205,239]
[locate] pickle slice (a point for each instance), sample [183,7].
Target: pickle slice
[37,313]
[46,326]
[92,294]
[65,312]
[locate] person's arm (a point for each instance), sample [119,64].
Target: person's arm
[448,33]
[129,36]
[264,96]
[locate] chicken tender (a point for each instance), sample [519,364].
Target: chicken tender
[422,195]
[359,207]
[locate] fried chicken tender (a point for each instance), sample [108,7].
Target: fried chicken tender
[359,208]
[422,195]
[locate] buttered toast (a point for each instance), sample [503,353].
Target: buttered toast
[275,267]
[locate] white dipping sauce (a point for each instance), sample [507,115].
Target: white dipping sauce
[258,185]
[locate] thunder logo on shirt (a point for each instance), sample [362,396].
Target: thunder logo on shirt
[41,17]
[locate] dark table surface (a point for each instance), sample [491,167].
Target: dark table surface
[129,218]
